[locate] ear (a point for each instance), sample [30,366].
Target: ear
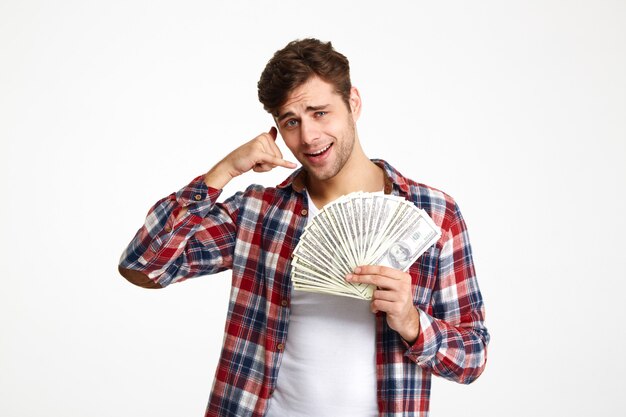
[355,103]
[277,125]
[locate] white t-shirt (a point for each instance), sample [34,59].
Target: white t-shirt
[328,366]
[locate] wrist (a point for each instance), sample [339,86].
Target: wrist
[412,329]
[218,176]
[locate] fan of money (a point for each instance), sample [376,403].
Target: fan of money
[359,229]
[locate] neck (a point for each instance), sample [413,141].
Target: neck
[358,174]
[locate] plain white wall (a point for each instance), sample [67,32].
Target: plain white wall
[515,108]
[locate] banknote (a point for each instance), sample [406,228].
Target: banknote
[359,229]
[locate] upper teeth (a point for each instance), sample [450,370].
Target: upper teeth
[320,151]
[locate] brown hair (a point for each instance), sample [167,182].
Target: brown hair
[293,65]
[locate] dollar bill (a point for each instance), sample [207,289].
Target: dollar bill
[359,229]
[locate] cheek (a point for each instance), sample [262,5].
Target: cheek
[291,140]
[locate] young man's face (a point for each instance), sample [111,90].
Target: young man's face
[319,128]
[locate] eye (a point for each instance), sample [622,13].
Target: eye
[291,123]
[320,113]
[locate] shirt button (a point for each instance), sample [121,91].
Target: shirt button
[167,229]
[304,212]
[284,303]
[198,197]
[280,346]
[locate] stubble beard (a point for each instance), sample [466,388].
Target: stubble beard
[343,149]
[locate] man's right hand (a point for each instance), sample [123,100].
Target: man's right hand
[261,154]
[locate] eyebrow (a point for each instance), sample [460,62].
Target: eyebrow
[308,109]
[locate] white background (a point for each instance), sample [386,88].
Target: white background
[515,108]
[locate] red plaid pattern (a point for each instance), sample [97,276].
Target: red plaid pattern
[254,232]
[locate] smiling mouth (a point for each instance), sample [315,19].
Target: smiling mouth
[320,152]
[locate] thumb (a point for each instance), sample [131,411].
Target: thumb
[273,132]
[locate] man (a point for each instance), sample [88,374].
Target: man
[291,353]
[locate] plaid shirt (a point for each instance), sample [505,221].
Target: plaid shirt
[254,233]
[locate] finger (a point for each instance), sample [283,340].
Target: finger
[386,295]
[379,270]
[273,162]
[264,160]
[382,305]
[270,147]
[377,280]
[263,167]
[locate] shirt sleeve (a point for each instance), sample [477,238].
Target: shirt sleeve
[168,250]
[453,339]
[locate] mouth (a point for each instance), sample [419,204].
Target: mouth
[320,152]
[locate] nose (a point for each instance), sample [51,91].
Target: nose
[310,131]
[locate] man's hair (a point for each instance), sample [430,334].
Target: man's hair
[293,65]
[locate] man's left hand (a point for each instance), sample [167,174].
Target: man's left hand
[393,296]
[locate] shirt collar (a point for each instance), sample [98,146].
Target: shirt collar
[392,179]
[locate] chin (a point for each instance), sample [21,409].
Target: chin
[323,175]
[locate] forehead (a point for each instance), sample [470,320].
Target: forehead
[314,92]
